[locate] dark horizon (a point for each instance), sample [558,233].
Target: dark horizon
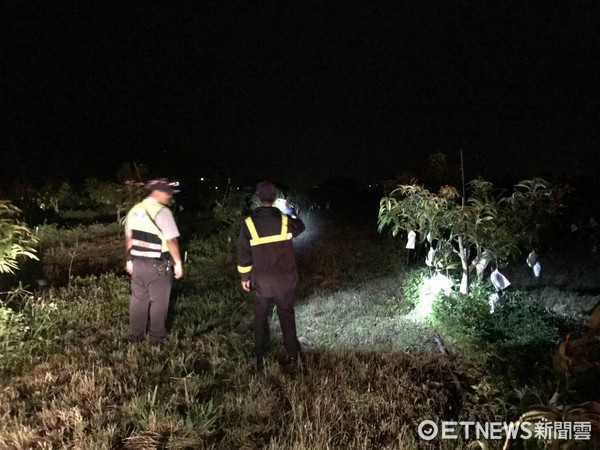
[298,94]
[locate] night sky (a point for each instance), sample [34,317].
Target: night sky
[298,93]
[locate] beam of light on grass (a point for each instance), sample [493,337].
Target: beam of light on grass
[312,232]
[429,288]
[372,317]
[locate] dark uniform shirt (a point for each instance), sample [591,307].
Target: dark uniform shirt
[270,266]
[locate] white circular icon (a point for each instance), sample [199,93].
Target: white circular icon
[427,430]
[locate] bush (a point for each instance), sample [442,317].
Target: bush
[12,331]
[84,250]
[80,215]
[34,325]
[519,321]
[53,236]
[16,239]
[411,284]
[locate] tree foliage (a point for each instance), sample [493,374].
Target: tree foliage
[454,227]
[56,197]
[230,208]
[119,196]
[16,239]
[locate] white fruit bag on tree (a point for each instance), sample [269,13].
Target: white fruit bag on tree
[430,256]
[537,269]
[532,258]
[483,262]
[499,281]
[410,243]
[493,301]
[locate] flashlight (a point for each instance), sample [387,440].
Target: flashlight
[284,206]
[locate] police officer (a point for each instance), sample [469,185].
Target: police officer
[152,259]
[267,266]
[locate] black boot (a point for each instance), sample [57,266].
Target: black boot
[260,363]
[291,364]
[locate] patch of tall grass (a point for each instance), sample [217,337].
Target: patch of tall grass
[66,253]
[51,236]
[368,375]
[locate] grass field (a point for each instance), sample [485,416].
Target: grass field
[370,372]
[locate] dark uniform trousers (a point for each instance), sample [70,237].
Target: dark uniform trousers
[263,308]
[150,292]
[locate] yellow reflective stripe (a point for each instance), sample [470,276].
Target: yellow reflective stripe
[256,240]
[271,239]
[251,228]
[242,269]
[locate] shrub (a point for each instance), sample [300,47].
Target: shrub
[83,250]
[411,284]
[53,236]
[12,330]
[16,239]
[519,322]
[120,197]
[80,215]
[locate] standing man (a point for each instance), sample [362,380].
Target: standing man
[267,265]
[152,257]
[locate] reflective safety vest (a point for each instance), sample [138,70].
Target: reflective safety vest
[147,238]
[256,240]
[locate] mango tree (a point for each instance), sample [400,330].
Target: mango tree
[454,226]
[56,197]
[119,196]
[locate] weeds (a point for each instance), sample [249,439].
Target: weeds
[520,322]
[369,374]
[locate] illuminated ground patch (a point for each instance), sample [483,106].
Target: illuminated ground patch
[371,317]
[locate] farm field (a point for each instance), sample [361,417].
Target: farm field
[372,370]
[444,157]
